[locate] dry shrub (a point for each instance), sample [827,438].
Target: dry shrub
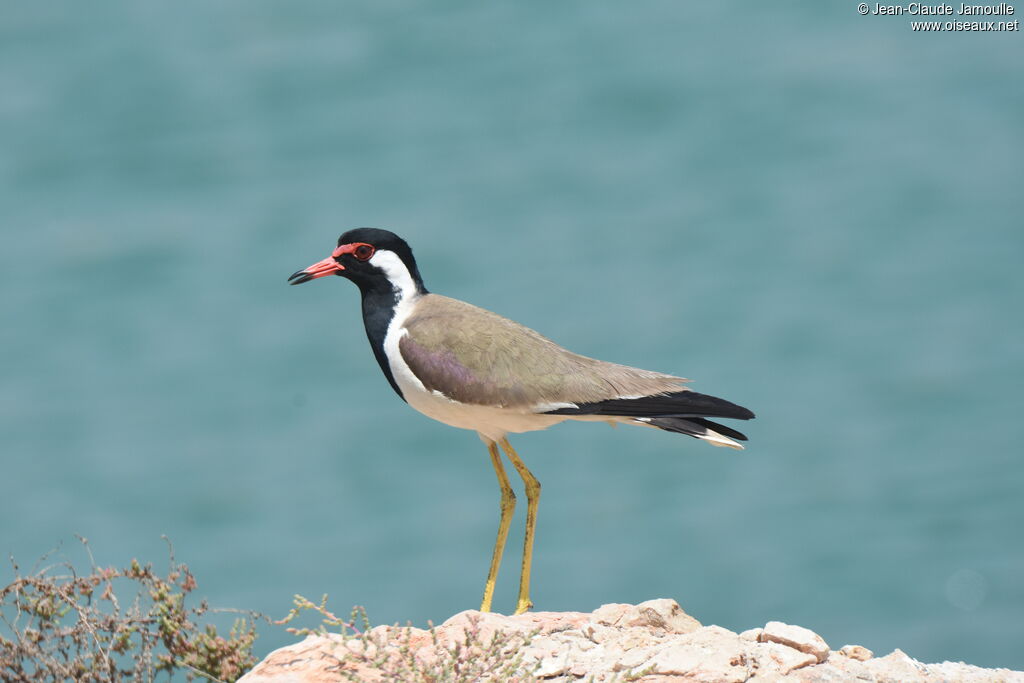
[114,624]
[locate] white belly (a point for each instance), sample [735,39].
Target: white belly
[491,423]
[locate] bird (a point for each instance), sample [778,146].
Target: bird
[473,369]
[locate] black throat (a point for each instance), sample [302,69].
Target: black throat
[379,302]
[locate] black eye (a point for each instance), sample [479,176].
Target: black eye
[363,252]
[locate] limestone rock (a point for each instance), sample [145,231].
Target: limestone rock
[858,652]
[312,660]
[664,614]
[653,642]
[711,653]
[796,637]
[752,634]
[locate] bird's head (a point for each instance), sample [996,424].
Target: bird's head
[372,259]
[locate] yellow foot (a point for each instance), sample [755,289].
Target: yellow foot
[524,606]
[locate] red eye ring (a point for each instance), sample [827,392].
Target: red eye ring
[363,252]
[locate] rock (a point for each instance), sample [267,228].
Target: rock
[752,634]
[485,624]
[597,633]
[653,642]
[711,653]
[609,615]
[858,652]
[551,622]
[553,666]
[313,660]
[796,637]
[782,658]
[898,665]
[636,658]
[664,614]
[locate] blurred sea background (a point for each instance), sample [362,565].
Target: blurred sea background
[810,212]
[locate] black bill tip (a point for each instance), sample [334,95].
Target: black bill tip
[299,276]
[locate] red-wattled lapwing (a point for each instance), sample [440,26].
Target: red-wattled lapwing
[470,368]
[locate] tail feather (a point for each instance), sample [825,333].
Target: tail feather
[682,412]
[705,430]
[720,428]
[675,404]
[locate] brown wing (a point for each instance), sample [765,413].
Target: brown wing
[474,356]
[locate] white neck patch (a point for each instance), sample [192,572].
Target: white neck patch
[406,297]
[398,275]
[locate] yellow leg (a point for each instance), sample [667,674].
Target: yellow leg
[532,498]
[508,505]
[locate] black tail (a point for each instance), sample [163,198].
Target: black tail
[694,426]
[676,404]
[680,411]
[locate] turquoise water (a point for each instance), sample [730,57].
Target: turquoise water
[809,212]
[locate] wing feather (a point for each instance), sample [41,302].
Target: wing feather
[474,356]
